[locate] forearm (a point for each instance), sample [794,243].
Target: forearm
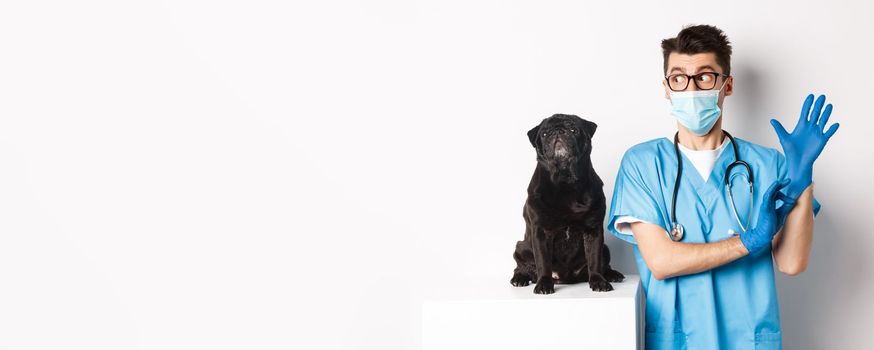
[666,258]
[791,246]
[689,258]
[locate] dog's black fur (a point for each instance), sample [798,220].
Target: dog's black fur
[564,212]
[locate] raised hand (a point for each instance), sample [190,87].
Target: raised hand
[805,143]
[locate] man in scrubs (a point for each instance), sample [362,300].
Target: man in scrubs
[713,287]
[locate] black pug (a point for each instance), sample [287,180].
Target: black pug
[564,212]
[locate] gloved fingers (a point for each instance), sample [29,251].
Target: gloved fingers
[824,118]
[783,211]
[771,193]
[783,183]
[781,196]
[831,131]
[786,199]
[805,109]
[817,108]
[781,132]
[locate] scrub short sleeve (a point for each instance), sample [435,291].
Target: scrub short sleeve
[632,197]
[783,172]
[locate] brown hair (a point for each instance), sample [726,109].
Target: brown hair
[700,39]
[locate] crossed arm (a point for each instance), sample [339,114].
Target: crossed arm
[666,258]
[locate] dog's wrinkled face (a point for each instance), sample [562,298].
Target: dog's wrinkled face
[562,141]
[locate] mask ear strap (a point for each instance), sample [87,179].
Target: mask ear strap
[724,81]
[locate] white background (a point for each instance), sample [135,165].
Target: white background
[273,175]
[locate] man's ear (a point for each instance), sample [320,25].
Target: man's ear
[589,127]
[667,90]
[533,135]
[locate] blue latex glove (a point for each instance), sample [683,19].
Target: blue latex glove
[805,143]
[770,219]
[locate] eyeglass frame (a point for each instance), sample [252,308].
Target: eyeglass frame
[692,78]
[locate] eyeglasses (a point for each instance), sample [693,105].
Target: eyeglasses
[703,81]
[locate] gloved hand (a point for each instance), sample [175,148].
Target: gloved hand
[770,219]
[805,143]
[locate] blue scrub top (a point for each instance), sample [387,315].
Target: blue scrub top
[733,306]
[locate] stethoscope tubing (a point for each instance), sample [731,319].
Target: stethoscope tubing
[676,228]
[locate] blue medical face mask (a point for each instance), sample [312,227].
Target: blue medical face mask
[696,110]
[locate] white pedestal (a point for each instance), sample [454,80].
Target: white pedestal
[495,315]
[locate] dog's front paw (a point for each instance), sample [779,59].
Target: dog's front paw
[520,280]
[544,285]
[598,284]
[614,276]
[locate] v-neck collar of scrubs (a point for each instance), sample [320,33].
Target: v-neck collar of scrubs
[708,192]
[704,160]
[694,177]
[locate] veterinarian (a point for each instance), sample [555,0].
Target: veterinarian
[706,251]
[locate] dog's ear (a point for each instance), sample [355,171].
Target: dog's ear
[589,127]
[534,135]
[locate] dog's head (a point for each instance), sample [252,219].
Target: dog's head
[563,142]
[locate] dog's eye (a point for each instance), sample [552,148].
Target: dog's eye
[574,131]
[544,134]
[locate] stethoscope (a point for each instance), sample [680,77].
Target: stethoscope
[676,228]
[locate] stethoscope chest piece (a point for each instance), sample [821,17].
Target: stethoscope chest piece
[676,232]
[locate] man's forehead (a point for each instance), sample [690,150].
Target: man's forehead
[694,63]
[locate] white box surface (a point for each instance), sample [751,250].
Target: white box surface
[492,314]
